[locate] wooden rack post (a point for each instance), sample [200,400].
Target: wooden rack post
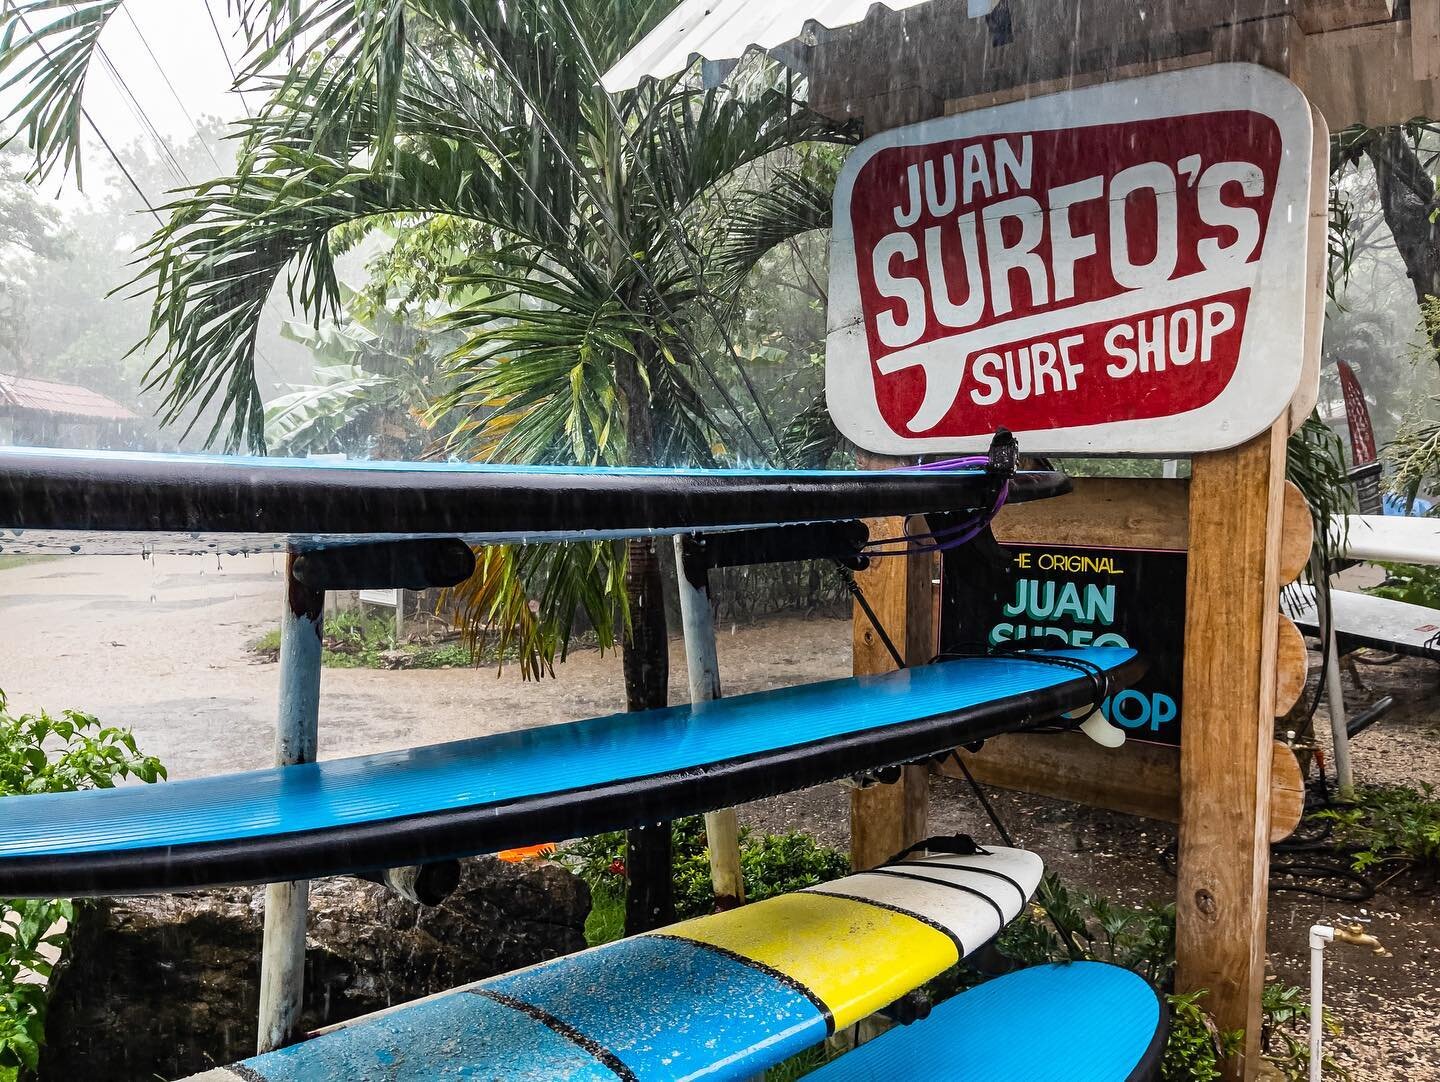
[1232,592]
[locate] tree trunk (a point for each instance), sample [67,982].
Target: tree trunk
[645,654]
[1407,196]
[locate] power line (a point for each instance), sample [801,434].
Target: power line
[30,31]
[173,92]
[142,117]
[220,39]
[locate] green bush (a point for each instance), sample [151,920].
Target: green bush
[770,864]
[1389,822]
[359,640]
[1412,583]
[1195,1048]
[44,754]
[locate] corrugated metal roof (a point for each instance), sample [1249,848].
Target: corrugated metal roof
[728,29]
[64,399]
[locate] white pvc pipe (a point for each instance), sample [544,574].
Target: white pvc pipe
[702,663]
[1320,934]
[1334,690]
[282,959]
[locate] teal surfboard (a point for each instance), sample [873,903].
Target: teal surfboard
[530,786]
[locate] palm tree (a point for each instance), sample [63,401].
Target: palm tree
[585,295]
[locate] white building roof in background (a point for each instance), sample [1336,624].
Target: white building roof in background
[727,29]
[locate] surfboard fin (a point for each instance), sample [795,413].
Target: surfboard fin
[1100,729]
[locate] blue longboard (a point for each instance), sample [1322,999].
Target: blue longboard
[525,787]
[719,997]
[1078,1022]
[125,502]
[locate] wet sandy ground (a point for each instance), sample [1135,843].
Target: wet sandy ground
[161,647]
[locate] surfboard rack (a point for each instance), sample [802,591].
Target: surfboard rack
[387,565]
[349,525]
[841,541]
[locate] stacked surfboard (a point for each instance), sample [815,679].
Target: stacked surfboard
[721,997]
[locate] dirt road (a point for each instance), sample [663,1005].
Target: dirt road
[161,646]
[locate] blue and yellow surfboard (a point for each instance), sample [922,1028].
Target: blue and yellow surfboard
[719,997]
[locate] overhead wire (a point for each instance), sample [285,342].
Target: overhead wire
[147,125]
[142,117]
[85,114]
[204,143]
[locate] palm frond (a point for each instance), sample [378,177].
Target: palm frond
[525,599]
[47,64]
[1315,462]
[790,205]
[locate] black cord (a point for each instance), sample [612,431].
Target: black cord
[847,577]
[979,792]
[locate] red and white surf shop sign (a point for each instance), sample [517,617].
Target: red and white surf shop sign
[1118,269]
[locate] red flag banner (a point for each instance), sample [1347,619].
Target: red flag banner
[1357,416]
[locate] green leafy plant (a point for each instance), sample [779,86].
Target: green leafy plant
[358,640]
[1389,823]
[1285,1033]
[1412,583]
[40,753]
[1195,1048]
[1065,925]
[770,864]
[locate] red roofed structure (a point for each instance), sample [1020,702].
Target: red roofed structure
[42,412]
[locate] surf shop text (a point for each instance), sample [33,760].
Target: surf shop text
[1081,613]
[1029,277]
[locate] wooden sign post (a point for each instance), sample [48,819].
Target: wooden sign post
[1127,268]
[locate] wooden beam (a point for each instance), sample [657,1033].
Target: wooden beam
[1232,590]
[886,818]
[1136,779]
[1323,16]
[1123,512]
[1359,76]
[1425,39]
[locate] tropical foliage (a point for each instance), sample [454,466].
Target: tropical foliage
[586,249]
[41,753]
[376,375]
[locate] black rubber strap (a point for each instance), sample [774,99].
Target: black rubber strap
[960,887]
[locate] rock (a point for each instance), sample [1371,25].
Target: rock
[170,985]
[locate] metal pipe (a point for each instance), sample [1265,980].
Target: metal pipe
[282,960]
[1334,690]
[1358,723]
[702,665]
[1320,934]
[1335,696]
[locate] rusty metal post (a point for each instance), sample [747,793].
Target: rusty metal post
[282,960]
